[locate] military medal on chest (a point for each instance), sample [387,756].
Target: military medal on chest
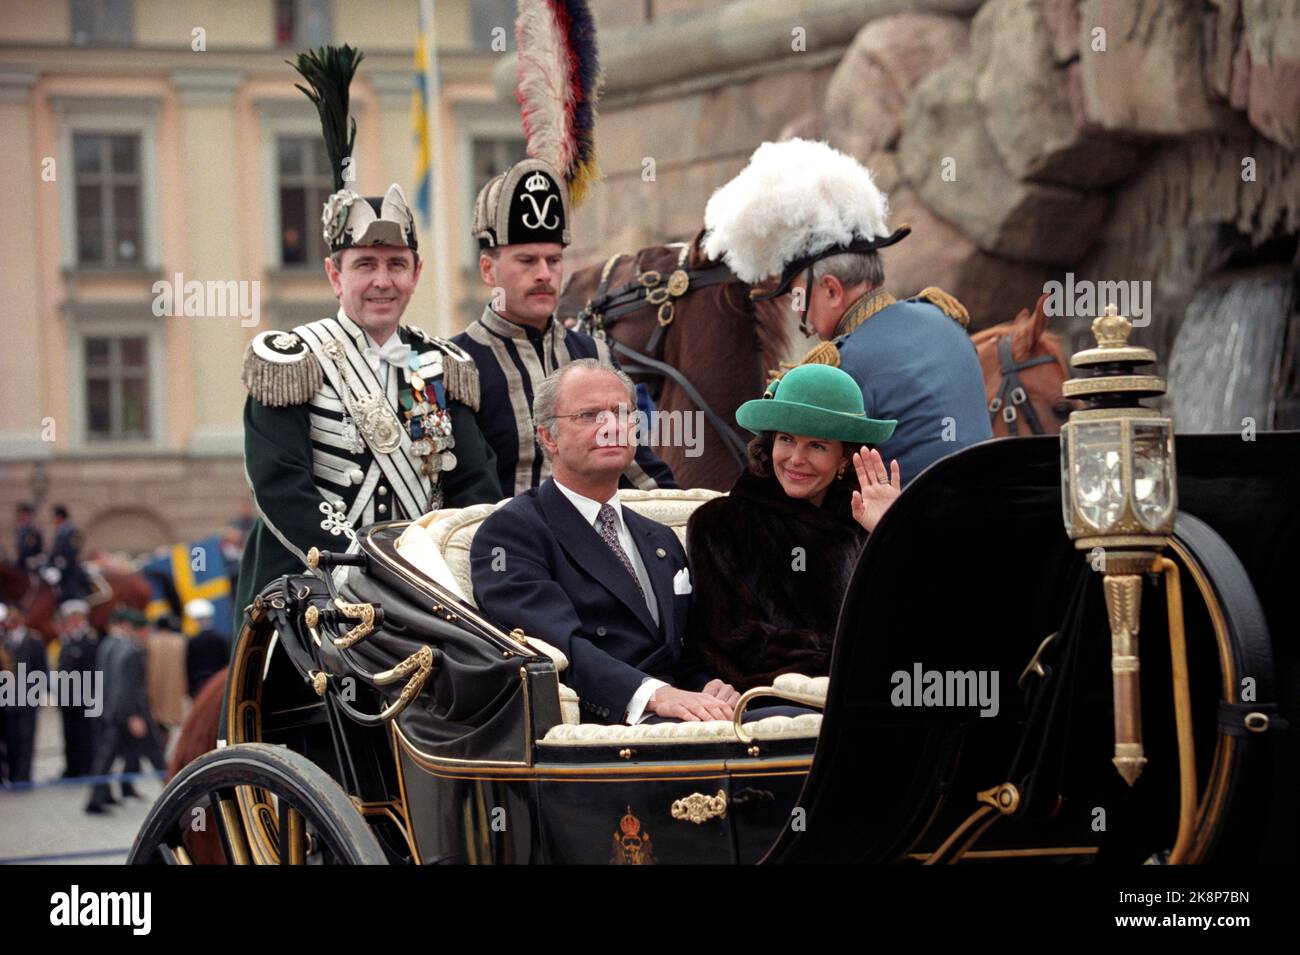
[428,422]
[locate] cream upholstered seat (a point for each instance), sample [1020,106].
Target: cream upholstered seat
[438,545]
[805,726]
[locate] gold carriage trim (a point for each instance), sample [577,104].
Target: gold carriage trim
[699,808]
[365,613]
[421,664]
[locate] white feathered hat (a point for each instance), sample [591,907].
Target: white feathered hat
[796,202]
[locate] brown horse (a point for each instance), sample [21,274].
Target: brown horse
[39,600]
[684,326]
[1024,367]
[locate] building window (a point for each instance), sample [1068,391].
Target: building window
[490,156]
[305,183]
[117,387]
[303,23]
[108,195]
[101,22]
[488,15]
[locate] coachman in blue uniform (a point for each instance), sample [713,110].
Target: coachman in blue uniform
[813,218]
[521,221]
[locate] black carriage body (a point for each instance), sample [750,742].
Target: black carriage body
[970,571]
[463,774]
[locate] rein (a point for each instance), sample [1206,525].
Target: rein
[603,312]
[1012,393]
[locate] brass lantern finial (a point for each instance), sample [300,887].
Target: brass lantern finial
[1111,329]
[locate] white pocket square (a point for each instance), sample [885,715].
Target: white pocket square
[682,581]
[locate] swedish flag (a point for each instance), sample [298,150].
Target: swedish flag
[185,573]
[420,127]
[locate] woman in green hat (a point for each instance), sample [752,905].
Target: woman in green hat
[771,561]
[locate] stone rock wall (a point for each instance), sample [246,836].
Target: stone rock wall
[1149,142]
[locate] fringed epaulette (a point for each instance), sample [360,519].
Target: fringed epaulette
[459,373]
[823,353]
[280,370]
[946,304]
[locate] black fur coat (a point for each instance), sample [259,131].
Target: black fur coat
[761,607]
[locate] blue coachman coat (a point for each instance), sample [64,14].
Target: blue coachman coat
[916,364]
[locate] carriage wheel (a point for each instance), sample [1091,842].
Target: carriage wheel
[300,816]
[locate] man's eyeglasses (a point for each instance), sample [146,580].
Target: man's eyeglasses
[601,417]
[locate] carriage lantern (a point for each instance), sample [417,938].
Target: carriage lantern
[1118,498]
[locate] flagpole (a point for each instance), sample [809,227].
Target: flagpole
[439,252]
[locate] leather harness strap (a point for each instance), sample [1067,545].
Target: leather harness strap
[605,309]
[1012,393]
[631,296]
[647,365]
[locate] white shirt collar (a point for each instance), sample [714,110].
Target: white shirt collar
[589,509]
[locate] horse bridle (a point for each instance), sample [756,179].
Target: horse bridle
[603,311]
[1012,393]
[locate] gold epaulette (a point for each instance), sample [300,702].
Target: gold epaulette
[280,370]
[946,304]
[459,373]
[823,353]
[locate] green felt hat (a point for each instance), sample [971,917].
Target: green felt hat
[815,401]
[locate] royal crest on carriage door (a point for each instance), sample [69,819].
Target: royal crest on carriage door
[632,843]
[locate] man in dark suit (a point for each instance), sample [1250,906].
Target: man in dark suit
[207,651]
[126,726]
[609,588]
[76,656]
[26,654]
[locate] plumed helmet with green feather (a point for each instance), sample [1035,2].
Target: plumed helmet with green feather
[349,219]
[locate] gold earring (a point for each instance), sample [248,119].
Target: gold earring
[843,465]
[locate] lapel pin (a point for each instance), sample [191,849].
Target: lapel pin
[660,552]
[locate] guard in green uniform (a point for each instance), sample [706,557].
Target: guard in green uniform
[356,418]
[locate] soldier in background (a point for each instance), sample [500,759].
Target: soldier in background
[29,543]
[207,652]
[126,727]
[77,645]
[65,557]
[26,654]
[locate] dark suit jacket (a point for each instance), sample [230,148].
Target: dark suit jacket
[205,654]
[126,692]
[554,577]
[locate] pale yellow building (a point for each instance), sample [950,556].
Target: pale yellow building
[163,141]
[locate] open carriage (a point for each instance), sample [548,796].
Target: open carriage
[373,715]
